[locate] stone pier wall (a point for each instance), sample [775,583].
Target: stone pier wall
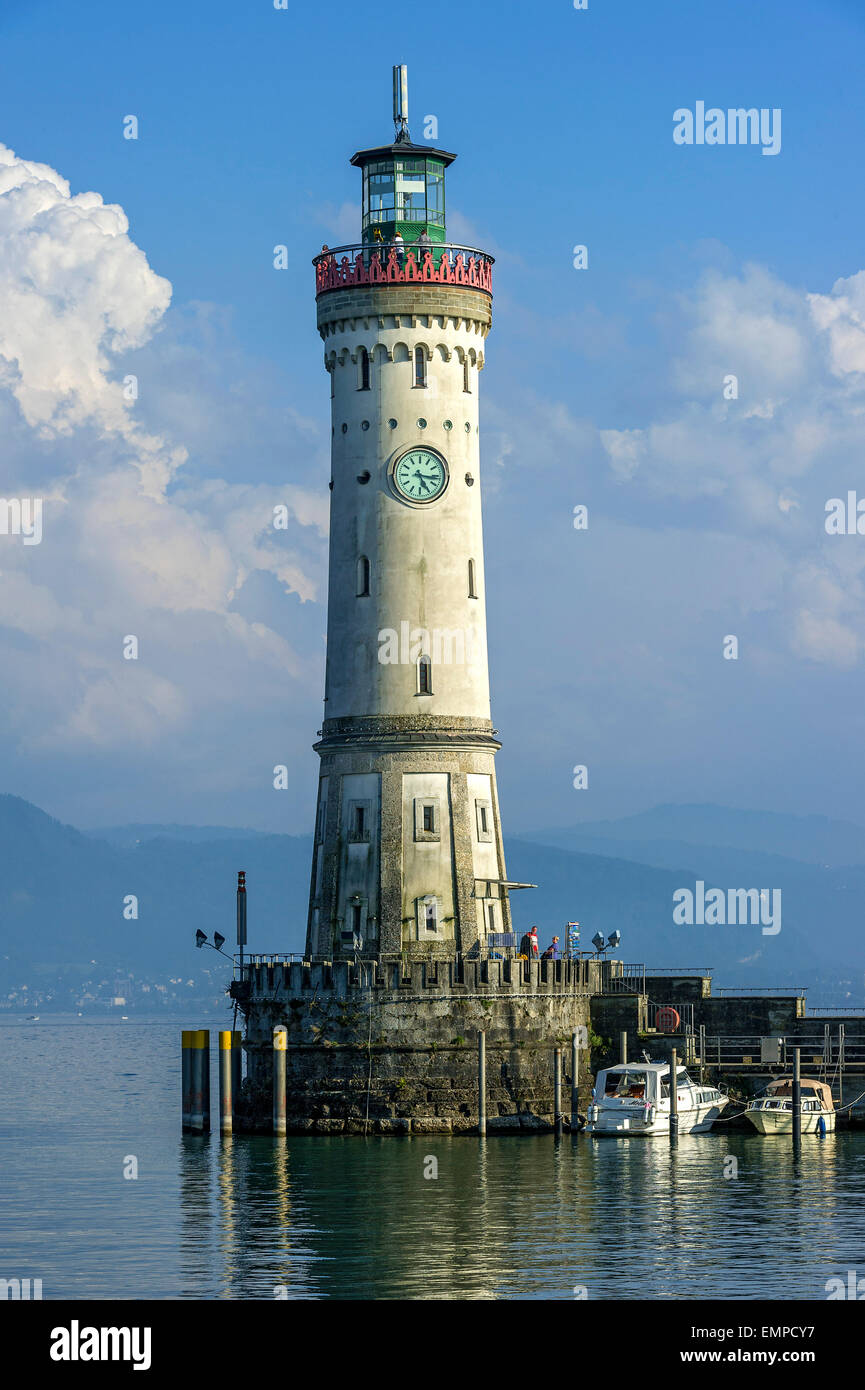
[387,1050]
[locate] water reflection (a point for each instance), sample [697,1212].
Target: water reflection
[717,1215]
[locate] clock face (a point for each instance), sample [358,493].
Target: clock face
[420,475]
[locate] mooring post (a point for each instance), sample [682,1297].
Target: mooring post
[205,1076]
[236,1066]
[575,1082]
[280,1057]
[186,1078]
[797,1097]
[482,1084]
[226,1095]
[199,1078]
[557,1091]
[674,1097]
[623,1048]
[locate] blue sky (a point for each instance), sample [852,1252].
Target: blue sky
[601,387]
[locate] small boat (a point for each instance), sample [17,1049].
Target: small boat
[32,1018]
[773,1113]
[634,1098]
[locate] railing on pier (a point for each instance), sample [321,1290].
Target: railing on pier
[792,991]
[381,264]
[629,978]
[826,1050]
[680,970]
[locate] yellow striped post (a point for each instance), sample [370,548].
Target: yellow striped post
[199,1080]
[236,1066]
[226,1078]
[280,1058]
[186,1045]
[205,1076]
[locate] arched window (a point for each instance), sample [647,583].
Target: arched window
[362,577]
[419,367]
[473,593]
[424,676]
[364,370]
[467,385]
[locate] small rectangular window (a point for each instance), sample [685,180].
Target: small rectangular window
[484,821]
[426,818]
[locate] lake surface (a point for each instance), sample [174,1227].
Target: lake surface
[355,1218]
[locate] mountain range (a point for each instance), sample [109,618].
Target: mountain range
[65,894]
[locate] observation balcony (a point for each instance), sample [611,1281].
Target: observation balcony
[381,265]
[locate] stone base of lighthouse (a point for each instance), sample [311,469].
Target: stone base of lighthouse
[408,860]
[392,1049]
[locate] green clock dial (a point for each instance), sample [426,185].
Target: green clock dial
[420,475]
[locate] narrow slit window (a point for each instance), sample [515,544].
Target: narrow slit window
[491,917]
[467,385]
[364,370]
[419,367]
[473,593]
[430,915]
[424,676]
[333,381]
[356,918]
[363,577]
[429,819]
[483,815]
[359,820]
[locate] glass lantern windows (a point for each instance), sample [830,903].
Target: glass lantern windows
[403,190]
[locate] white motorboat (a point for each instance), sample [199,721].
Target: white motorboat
[773,1113]
[634,1098]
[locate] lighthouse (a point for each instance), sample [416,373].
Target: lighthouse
[407,858]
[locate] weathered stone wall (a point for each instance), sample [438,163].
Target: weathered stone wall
[389,1051]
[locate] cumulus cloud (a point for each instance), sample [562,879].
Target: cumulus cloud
[766,419]
[131,544]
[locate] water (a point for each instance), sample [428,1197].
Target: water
[356,1218]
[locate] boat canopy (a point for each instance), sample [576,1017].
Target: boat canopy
[784,1087]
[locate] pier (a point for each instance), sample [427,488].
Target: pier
[486,1046]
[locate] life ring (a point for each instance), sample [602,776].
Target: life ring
[667,1019]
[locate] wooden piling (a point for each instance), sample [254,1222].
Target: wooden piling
[557,1091]
[186,1046]
[236,1066]
[482,1084]
[198,1078]
[797,1097]
[226,1079]
[674,1097]
[623,1048]
[575,1082]
[280,1058]
[205,1077]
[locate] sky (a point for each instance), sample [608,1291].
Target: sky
[604,387]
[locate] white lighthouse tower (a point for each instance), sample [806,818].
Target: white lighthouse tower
[408,856]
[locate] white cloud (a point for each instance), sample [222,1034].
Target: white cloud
[130,544]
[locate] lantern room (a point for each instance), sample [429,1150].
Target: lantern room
[403,183]
[403,191]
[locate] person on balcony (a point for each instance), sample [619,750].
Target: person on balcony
[399,247]
[423,245]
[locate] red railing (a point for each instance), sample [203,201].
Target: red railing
[439,264]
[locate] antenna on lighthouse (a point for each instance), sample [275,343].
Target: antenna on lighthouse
[400,102]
